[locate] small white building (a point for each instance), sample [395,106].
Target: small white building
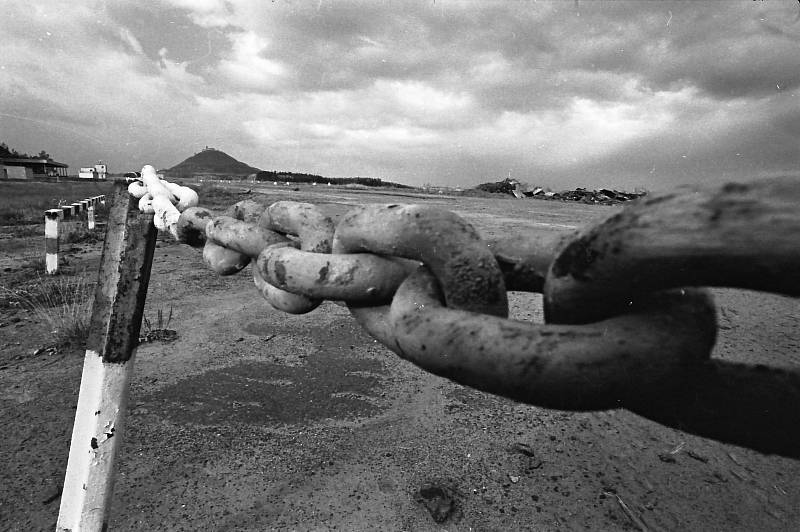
[98,171]
[87,173]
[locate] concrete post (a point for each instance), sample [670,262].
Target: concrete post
[102,403]
[51,219]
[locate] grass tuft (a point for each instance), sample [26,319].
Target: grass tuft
[79,233]
[158,330]
[161,322]
[63,305]
[36,262]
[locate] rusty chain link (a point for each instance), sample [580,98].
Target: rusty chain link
[628,322]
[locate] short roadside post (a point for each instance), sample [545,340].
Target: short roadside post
[51,220]
[116,320]
[85,208]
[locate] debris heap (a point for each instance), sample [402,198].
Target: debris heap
[603,196]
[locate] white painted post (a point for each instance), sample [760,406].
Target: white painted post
[116,320]
[51,219]
[89,479]
[90,216]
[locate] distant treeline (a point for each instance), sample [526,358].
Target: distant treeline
[5,151]
[292,177]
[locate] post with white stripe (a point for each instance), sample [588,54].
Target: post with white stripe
[116,320]
[51,219]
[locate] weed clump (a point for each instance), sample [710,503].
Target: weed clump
[80,234]
[159,331]
[63,305]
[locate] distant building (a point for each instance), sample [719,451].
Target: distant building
[24,168]
[98,171]
[16,172]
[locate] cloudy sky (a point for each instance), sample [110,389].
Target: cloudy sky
[565,93]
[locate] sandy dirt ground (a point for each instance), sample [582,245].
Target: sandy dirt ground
[257,420]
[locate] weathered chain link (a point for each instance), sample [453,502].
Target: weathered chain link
[627,324]
[745,236]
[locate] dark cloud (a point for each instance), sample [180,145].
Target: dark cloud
[729,49]
[345,46]
[349,46]
[18,101]
[734,68]
[158,27]
[765,144]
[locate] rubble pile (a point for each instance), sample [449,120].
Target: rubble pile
[506,186]
[603,196]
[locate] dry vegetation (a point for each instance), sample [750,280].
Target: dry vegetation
[24,202]
[61,303]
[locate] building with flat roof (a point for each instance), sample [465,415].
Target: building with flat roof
[25,168]
[98,171]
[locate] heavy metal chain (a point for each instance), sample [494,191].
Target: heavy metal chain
[629,323]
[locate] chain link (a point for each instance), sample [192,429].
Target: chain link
[737,235]
[628,323]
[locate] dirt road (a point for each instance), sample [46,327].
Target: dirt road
[257,420]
